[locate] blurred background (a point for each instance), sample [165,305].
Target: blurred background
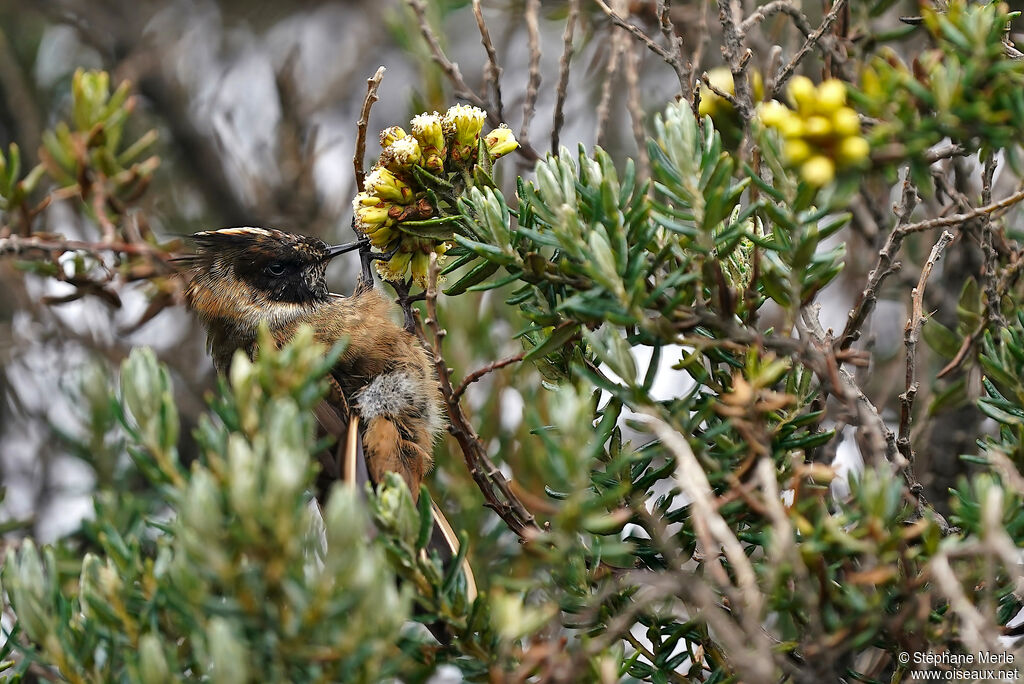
[255,104]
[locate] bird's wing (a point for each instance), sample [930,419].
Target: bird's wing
[444,537]
[348,464]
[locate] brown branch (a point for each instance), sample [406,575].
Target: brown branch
[885,265]
[481,372]
[492,74]
[563,72]
[604,104]
[809,44]
[673,59]
[358,159]
[728,97]
[668,29]
[631,67]
[533,82]
[496,490]
[911,334]
[703,39]
[16,245]
[451,70]
[989,275]
[736,55]
[844,385]
[947,221]
[771,9]
[945,152]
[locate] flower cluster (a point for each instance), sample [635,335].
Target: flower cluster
[723,114]
[418,176]
[822,134]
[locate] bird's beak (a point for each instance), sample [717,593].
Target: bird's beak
[342,249]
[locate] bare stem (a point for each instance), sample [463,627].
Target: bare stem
[496,489]
[563,72]
[358,160]
[492,74]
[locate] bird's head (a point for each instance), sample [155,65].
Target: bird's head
[250,275]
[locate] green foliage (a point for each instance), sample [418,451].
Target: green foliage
[243,580]
[698,532]
[964,88]
[1002,360]
[95,139]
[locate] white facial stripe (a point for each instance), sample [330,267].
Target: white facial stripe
[237,231]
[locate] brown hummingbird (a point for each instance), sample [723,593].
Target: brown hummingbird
[384,406]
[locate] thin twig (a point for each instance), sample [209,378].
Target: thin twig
[911,334]
[563,72]
[770,9]
[604,104]
[844,385]
[533,83]
[736,55]
[728,97]
[718,539]
[945,152]
[946,221]
[673,59]
[492,74]
[885,265]
[17,245]
[675,43]
[703,39]
[451,70]
[372,84]
[481,372]
[812,40]
[495,488]
[631,67]
[989,275]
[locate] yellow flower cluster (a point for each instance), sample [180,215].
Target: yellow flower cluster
[821,133]
[394,194]
[723,114]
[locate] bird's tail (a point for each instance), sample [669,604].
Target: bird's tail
[443,540]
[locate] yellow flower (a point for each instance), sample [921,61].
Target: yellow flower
[853,150]
[388,186]
[369,217]
[774,113]
[711,103]
[427,129]
[420,265]
[818,170]
[500,141]
[395,267]
[429,133]
[365,199]
[831,96]
[381,237]
[389,135]
[405,152]
[817,127]
[846,122]
[463,124]
[822,135]
[797,151]
[792,127]
[802,94]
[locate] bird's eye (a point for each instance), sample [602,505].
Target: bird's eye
[275,269]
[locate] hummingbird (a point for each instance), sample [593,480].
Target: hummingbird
[384,405]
